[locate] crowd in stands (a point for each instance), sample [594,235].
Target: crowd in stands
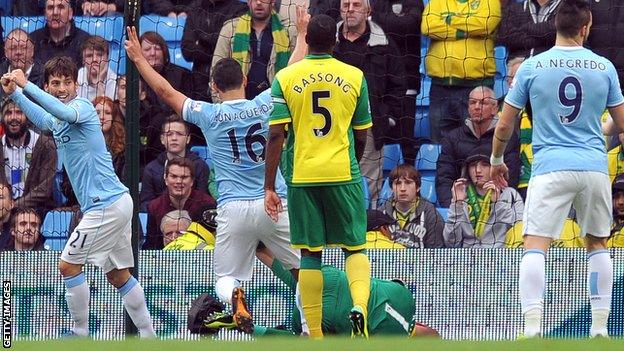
[434,78]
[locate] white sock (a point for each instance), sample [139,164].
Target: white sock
[532,283]
[77,297]
[134,301]
[224,287]
[599,286]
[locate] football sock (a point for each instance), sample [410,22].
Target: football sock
[358,269]
[532,283]
[134,301]
[77,297]
[311,291]
[224,288]
[599,285]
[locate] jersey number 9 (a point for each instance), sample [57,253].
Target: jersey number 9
[574,102]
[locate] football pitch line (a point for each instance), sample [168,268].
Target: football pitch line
[329,344]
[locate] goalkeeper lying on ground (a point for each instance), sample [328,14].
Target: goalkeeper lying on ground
[390,306]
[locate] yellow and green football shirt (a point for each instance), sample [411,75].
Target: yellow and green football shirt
[323,100]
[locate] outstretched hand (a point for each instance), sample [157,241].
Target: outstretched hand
[19,78]
[303,19]
[132,45]
[8,85]
[272,204]
[499,175]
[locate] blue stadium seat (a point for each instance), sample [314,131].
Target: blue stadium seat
[56,224]
[54,244]
[500,57]
[423,54]
[422,127]
[143,220]
[393,156]
[427,158]
[366,193]
[385,194]
[423,97]
[170,29]
[29,24]
[443,212]
[117,61]
[175,54]
[203,153]
[427,189]
[110,28]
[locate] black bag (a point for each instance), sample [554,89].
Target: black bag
[201,308]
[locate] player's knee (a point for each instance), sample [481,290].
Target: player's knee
[68,270]
[118,278]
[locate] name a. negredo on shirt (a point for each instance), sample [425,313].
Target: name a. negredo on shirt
[255,112]
[322,77]
[572,63]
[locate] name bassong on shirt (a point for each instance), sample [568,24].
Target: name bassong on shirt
[321,77]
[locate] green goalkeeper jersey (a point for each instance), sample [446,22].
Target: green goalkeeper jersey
[390,306]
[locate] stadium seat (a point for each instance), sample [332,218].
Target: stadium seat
[117,61]
[175,54]
[54,244]
[427,189]
[422,99]
[56,224]
[393,156]
[443,212]
[203,153]
[423,54]
[143,220]
[422,128]
[170,29]
[29,24]
[427,158]
[500,57]
[385,194]
[110,28]
[366,193]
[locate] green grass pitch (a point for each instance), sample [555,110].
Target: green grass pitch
[329,344]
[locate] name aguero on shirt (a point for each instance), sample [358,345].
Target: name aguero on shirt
[572,63]
[320,77]
[255,112]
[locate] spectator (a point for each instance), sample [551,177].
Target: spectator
[363,44]
[6,205]
[59,37]
[607,20]
[28,160]
[261,41]
[377,231]
[400,20]
[20,51]
[615,159]
[175,138]
[95,78]
[617,230]
[480,214]
[173,224]
[179,195]
[25,230]
[201,33]
[528,28]
[460,57]
[195,237]
[417,223]
[477,130]
[98,8]
[569,237]
[114,131]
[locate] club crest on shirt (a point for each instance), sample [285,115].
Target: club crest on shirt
[475,4]
[196,106]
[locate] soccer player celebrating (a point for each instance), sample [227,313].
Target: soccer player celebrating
[570,162]
[103,235]
[324,103]
[236,132]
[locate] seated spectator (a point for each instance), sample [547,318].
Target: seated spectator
[617,231]
[95,78]
[28,160]
[173,224]
[20,54]
[59,37]
[98,8]
[377,231]
[114,131]
[477,130]
[175,138]
[6,205]
[195,237]
[179,195]
[615,159]
[417,224]
[569,237]
[480,214]
[25,230]
[261,41]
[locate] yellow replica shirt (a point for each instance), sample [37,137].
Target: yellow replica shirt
[322,100]
[569,236]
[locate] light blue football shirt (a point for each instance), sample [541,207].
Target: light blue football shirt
[236,133]
[80,144]
[569,88]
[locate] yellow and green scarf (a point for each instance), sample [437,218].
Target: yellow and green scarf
[479,208]
[526,149]
[240,43]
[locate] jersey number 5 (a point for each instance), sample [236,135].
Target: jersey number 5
[250,140]
[323,111]
[574,102]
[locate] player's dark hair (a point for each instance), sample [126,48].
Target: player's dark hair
[22,210]
[571,16]
[181,162]
[174,119]
[227,74]
[321,35]
[406,171]
[60,66]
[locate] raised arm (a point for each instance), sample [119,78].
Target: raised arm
[158,83]
[34,112]
[301,47]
